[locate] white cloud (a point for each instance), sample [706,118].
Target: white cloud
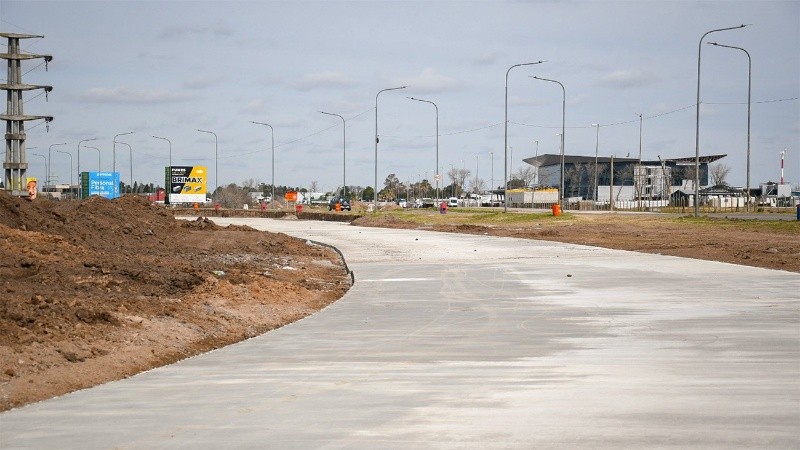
[324,80]
[132,96]
[624,79]
[429,81]
[202,82]
[486,59]
[257,106]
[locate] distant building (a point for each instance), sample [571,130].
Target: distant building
[652,180]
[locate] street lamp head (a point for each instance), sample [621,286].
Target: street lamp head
[595,125]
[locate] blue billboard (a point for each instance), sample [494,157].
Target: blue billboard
[104,184]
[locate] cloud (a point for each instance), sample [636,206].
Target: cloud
[324,80]
[131,96]
[624,79]
[176,32]
[486,59]
[202,82]
[257,106]
[429,81]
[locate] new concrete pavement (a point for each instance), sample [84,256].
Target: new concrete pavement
[461,341]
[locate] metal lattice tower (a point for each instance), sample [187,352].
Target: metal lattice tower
[15,164]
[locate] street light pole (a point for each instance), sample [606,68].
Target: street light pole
[697,121]
[344,151]
[563,120]
[272,133]
[44,159]
[80,193]
[216,160]
[749,78]
[505,138]
[98,157]
[596,151]
[491,155]
[130,150]
[49,154]
[70,167]
[437,176]
[536,182]
[375,192]
[114,150]
[170,147]
[639,181]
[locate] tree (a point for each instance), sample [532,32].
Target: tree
[314,186]
[525,174]
[233,196]
[368,194]
[718,173]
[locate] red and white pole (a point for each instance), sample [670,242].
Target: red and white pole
[783,153]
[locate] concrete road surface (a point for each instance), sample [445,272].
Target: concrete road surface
[459,341]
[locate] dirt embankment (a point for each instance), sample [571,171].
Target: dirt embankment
[98,290]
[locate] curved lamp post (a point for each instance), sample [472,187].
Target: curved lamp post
[70,167]
[749,78]
[563,118]
[49,154]
[98,156]
[437,176]
[272,132]
[80,181]
[697,121]
[170,147]
[344,151]
[375,192]
[114,150]
[216,160]
[44,159]
[130,151]
[505,138]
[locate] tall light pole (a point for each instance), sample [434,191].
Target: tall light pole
[130,150]
[70,166]
[272,133]
[596,151]
[80,193]
[375,192]
[437,175]
[170,147]
[491,155]
[98,156]
[344,151]
[697,121]
[639,181]
[477,165]
[114,150]
[216,160]
[563,120]
[505,137]
[44,159]
[536,182]
[749,78]
[49,154]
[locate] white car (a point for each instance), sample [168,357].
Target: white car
[452,202]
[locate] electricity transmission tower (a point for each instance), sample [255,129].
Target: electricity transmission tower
[15,164]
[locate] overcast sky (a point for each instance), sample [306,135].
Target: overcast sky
[169,68]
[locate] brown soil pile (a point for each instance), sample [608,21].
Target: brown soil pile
[97,290]
[750,243]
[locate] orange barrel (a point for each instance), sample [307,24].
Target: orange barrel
[556,209]
[338,207]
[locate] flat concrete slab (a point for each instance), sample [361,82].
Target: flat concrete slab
[462,341]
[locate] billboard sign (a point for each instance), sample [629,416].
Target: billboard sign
[187,184]
[104,184]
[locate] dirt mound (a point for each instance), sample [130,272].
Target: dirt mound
[99,289]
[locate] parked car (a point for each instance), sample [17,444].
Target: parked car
[452,202]
[345,203]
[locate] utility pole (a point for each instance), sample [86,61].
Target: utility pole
[15,165]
